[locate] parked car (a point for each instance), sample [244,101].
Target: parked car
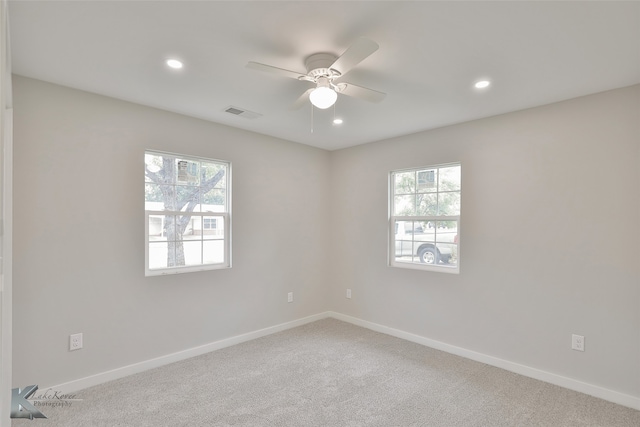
[413,241]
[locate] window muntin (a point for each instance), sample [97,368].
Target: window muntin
[187,210]
[425,217]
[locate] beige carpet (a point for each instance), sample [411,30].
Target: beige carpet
[331,373]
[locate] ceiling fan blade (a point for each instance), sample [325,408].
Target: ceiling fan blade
[355,54]
[361,92]
[304,98]
[275,70]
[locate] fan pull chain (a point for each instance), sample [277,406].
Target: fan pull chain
[311,118]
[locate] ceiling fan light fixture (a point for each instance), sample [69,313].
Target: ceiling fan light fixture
[323,96]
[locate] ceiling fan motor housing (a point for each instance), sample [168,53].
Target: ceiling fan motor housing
[318,66]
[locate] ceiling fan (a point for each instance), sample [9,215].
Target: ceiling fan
[325,71]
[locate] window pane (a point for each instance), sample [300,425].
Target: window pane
[193,229]
[159,169]
[449,178]
[213,251]
[449,203]
[403,241]
[170,227]
[424,247]
[159,197]
[446,227]
[209,224]
[192,253]
[427,204]
[214,201]
[187,172]
[427,234]
[405,183]
[175,254]
[156,228]
[152,194]
[405,205]
[447,254]
[153,165]
[187,198]
[213,227]
[427,180]
[214,173]
[158,255]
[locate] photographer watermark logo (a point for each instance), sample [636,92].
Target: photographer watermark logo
[21,407]
[25,403]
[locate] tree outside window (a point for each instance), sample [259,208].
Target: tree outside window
[184,196]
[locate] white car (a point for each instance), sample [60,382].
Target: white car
[435,245]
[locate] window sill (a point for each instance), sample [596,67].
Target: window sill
[426,267]
[181,270]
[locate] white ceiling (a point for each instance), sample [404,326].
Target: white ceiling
[430,55]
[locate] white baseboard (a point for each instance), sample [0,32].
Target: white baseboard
[559,380]
[572,384]
[114,374]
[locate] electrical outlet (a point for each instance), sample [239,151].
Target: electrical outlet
[290,297]
[577,342]
[348,293]
[75,342]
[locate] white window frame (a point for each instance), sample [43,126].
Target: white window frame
[442,268]
[225,216]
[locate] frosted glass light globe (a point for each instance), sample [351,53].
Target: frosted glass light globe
[323,97]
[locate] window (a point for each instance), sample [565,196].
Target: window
[209,224]
[187,213]
[424,220]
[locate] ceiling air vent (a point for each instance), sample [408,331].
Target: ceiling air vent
[242,113]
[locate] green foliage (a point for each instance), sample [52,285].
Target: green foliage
[427,192]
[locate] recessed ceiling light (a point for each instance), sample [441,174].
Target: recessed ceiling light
[174,63]
[482,84]
[337,121]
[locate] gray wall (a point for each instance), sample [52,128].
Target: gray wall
[79,235]
[549,237]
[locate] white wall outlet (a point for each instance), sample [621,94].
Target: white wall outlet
[577,342]
[348,293]
[75,342]
[290,297]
